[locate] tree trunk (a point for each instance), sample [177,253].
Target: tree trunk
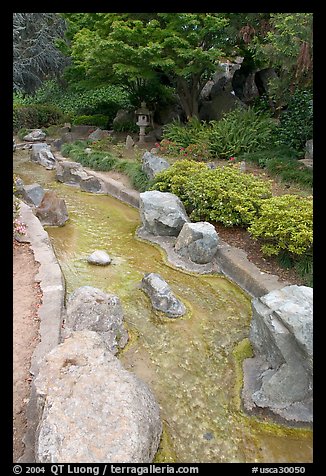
[188,95]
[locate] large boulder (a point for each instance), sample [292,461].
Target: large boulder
[92,309]
[91,410]
[153,164]
[41,153]
[70,172]
[52,210]
[162,213]
[33,194]
[35,135]
[98,134]
[197,242]
[161,295]
[279,377]
[223,102]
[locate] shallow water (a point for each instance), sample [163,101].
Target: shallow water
[188,362]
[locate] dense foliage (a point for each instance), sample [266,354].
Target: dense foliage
[239,131]
[35,116]
[35,55]
[181,48]
[296,121]
[222,195]
[285,223]
[104,100]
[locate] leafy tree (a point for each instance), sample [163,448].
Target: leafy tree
[35,55]
[183,48]
[286,44]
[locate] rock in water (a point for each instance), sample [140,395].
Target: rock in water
[92,309]
[99,257]
[198,242]
[280,377]
[161,295]
[52,210]
[91,410]
[162,213]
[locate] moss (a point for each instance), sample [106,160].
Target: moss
[241,351]
[165,452]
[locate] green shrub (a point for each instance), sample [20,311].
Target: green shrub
[285,223]
[125,126]
[35,116]
[222,195]
[281,161]
[291,171]
[242,130]
[296,121]
[98,120]
[105,161]
[105,100]
[194,132]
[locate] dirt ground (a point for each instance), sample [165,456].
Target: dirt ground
[26,300]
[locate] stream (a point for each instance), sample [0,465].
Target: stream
[192,364]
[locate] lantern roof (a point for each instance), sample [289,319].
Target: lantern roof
[143,109]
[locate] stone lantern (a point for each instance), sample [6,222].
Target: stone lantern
[144,120]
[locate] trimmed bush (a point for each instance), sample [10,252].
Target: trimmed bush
[222,195]
[285,223]
[98,120]
[35,116]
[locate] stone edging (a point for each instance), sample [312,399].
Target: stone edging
[50,312]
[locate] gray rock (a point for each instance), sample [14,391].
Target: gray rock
[98,134]
[198,242]
[309,152]
[52,210]
[129,142]
[88,150]
[161,295]
[34,194]
[70,172]
[152,164]
[162,213]
[99,257]
[91,184]
[35,135]
[92,309]
[282,338]
[41,153]
[263,79]
[91,410]
[222,103]
[123,116]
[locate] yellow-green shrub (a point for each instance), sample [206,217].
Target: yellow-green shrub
[222,195]
[285,223]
